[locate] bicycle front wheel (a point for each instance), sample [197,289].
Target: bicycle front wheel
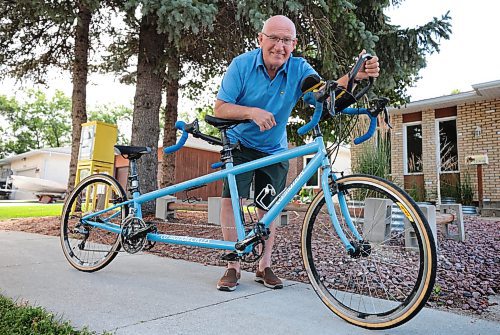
[390,281]
[88,248]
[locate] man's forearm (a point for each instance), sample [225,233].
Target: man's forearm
[226,110]
[343,81]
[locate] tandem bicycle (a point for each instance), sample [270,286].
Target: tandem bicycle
[369,266]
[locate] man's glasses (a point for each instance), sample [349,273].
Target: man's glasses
[275,39]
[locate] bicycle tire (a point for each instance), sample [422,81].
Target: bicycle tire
[384,277]
[100,247]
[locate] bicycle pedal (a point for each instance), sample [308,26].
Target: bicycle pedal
[230,257]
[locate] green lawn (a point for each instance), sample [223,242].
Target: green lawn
[22,319]
[29,210]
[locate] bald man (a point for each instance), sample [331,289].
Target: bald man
[263,85]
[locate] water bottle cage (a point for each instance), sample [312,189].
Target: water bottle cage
[269,189]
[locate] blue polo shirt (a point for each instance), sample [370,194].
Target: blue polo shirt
[247,83]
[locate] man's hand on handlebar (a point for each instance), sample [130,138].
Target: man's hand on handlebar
[369,69]
[264,119]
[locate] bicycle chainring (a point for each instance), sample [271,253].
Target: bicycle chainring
[130,226]
[150,244]
[255,255]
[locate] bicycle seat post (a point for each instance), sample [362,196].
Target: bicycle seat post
[227,148]
[133,178]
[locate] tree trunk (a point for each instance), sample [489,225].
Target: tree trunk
[147,100]
[79,96]
[169,131]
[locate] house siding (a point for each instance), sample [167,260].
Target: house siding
[198,162]
[190,163]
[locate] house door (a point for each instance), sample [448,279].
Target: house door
[447,157]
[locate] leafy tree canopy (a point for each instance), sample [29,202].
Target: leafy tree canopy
[330,34]
[35,123]
[118,115]
[206,35]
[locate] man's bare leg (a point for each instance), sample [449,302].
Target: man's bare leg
[265,261]
[228,227]
[265,274]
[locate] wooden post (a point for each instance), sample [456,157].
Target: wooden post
[480,184]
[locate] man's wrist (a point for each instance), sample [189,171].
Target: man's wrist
[249,113]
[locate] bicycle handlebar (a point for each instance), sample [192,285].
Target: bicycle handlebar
[371,128]
[319,97]
[190,128]
[318,111]
[180,125]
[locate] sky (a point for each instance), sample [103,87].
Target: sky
[469,57]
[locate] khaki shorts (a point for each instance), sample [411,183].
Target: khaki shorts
[274,175]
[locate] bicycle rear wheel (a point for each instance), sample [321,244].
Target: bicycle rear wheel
[388,284]
[89,248]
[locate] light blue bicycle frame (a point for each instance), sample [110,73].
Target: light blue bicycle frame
[320,160]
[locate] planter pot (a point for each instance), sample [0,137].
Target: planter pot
[448,200]
[469,210]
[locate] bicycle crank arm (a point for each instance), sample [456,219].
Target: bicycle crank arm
[142,232]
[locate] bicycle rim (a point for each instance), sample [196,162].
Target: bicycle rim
[392,283]
[90,248]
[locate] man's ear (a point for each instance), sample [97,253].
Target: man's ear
[260,38]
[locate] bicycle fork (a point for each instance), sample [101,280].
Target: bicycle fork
[327,175]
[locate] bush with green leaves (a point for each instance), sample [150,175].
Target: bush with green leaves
[466,190]
[374,159]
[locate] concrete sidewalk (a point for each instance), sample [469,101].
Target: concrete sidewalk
[145,294]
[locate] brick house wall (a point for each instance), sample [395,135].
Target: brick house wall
[486,115]
[397,163]
[478,108]
[430,164]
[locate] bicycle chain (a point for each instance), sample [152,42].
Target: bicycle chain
[186,225]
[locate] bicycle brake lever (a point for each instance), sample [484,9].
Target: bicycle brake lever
[386,118]
[192,127]
[331,102]
[381,105]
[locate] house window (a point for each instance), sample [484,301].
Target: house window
[448,152]
[313,182]
[413,148]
